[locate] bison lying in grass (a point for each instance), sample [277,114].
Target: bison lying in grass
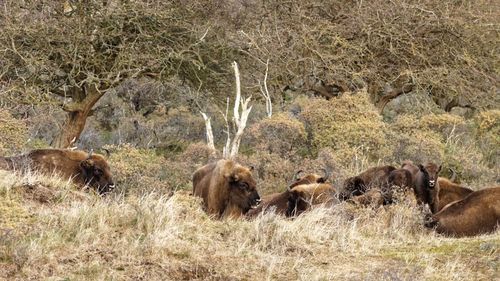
[227,189]
[382,180]
[478,213]
[81,167]
[279,201]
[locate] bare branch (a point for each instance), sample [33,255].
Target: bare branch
[210,135]
[236,113]
[225,150]
[265,92]
[245,111]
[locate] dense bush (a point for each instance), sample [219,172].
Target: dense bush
[350,125]
[488,135]
[281,134]
[13,132]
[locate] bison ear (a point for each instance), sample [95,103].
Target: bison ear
[87,164]
[421,167]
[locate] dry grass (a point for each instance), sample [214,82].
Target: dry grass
[156,237]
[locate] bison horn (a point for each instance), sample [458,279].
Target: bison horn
[326,174]
[296,176]
[453,175]
[107,152]
[90,153]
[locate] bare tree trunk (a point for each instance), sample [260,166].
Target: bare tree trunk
[230,150]
[78,112]
[210,135]
[239,121]
[265,93]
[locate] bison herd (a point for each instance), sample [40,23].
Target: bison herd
[228,189]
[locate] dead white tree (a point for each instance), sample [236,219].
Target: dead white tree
[210,134]
[265,92]
[230,150]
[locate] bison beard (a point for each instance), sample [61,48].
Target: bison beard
[81,167]
[227,189]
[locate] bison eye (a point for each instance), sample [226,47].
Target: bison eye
[243,185]
[98,172]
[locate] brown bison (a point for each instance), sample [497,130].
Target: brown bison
[477,213]
[373,177]
[81,167]
[303,197]
[448,192]
[425,178]
[227,188]
[373,197]
[279,201]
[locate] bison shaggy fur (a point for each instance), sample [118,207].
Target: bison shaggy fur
[279,201]
[81,167]
[448,192]
[373,177]
[476,214]
[303,197]
[227,188]
[425,179]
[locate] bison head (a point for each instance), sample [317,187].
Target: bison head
[431,174]
[302,197]
[243,189]
[353,186]
[300,179]
[298,202]
[96,173]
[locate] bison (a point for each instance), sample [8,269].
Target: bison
[83,168]
[373,197]
[383,178]
[227,189]
[279,201]
[425,178]
[303,197]
[476,214]
[448,192]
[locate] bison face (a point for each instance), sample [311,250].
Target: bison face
[431,174]
[352,187]
[96,173]
[300,179]
[243,190]
[298,202]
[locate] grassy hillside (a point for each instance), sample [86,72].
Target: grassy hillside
[50,231]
